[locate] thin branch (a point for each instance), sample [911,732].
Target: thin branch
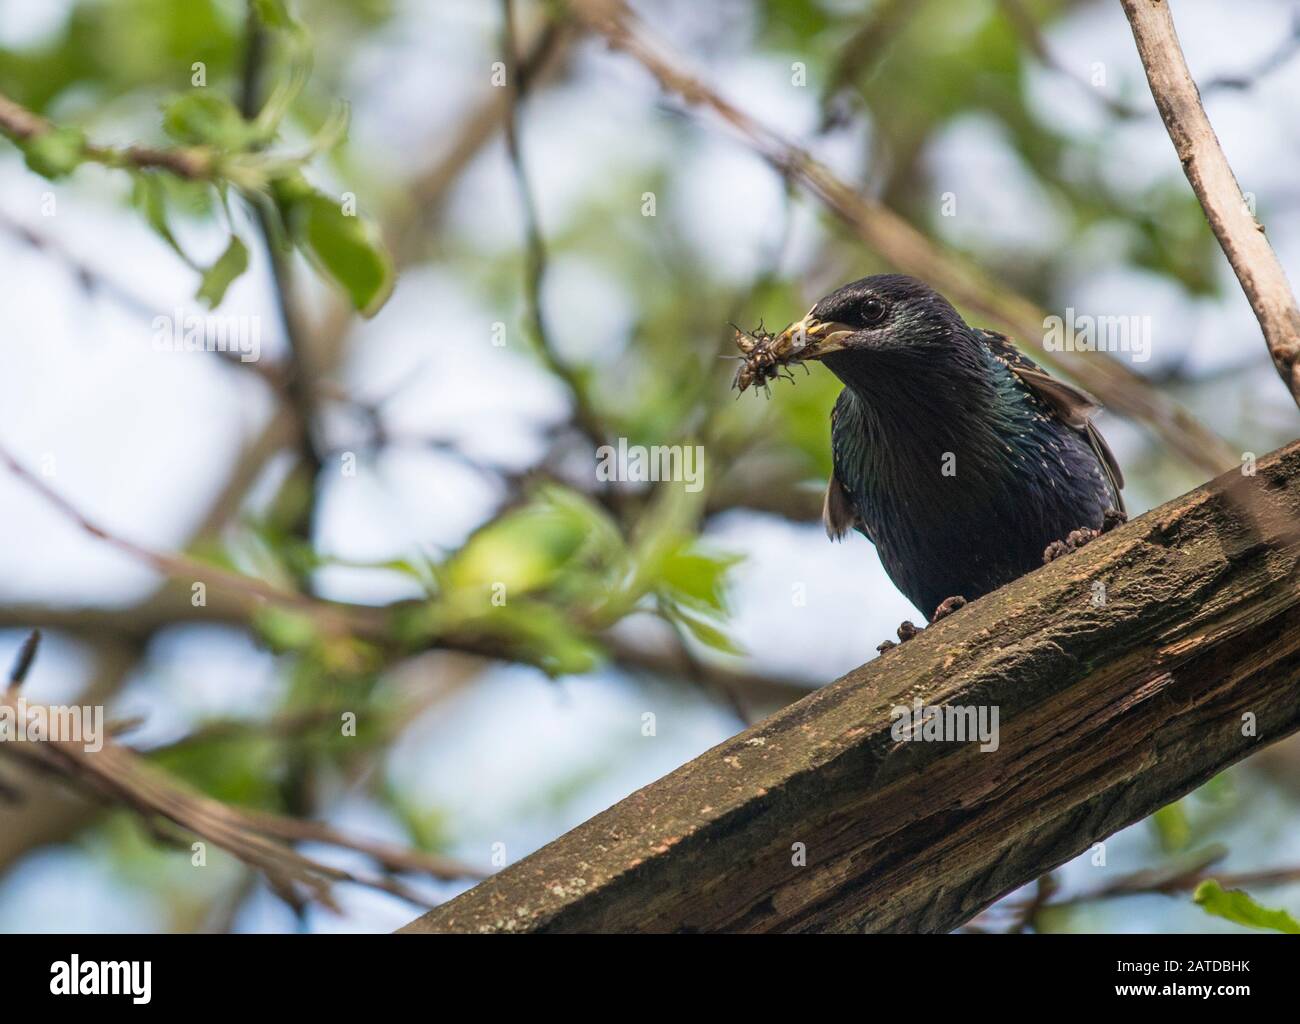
[300,373]
[1240,235]
[1271,62]
[374,623]
[193,163]
[1023,21]
[250,591]
[545,54]
[585,417]
[254,837]
[387,855]
[47,813]
[92,279]
[1179,879]
[911,251]
[428,189]
[860,52]
[23,661]
[1027,914]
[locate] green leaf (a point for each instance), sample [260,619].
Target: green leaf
[218,277]
[522,551]
[544,636]
[1173,826]
[1237,906]
[55,153]
[343,246]
[274,14]
[149,197]
[698,577]
[206,119]
[706,633]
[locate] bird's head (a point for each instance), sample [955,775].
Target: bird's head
[863,328]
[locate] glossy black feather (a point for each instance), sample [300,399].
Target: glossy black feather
[954,453]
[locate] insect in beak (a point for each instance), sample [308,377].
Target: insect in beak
[811,338]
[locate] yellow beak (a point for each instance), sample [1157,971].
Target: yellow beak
[811,338]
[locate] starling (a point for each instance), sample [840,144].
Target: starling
[958,457]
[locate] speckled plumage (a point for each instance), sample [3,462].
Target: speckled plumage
[926,396]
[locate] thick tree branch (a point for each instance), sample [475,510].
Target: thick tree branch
[1239,233]
[1123,675]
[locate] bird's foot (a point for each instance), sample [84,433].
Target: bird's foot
[908,630]
[905,633]
[947,607]
[1073,542]
[1110,519]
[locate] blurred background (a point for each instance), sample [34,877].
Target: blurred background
[547,252]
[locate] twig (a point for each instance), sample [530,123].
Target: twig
[1023,21]
[585,416]
[118,773]
[1240,235]
[389,856]
[192,163]
[1027,917]
[300,373]
[23,661]
[911,251]
[92,279]
[1285,50]
[545,54]
[859,52]
[371,622]
[1183,879]
[429,187]
[250,590]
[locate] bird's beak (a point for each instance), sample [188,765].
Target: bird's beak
[811,338]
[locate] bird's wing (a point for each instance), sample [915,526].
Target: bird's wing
[1074,406]
[839,511]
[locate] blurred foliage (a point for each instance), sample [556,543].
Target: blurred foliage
[563,560]
[228,150]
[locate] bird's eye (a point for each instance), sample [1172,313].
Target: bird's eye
[873,311]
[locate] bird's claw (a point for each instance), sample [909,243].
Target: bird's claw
[906,632]
[1073,542]
[908,629]
[1110,519]
[947,607]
